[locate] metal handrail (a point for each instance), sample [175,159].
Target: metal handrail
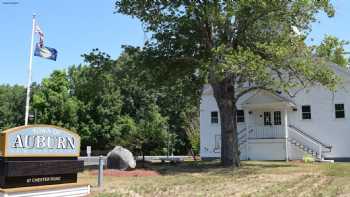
[310,137]
[241,143]
[242,131]
[317,148]
[242,135]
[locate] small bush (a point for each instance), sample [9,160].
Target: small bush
[308,158]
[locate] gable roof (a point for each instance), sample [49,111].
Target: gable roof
[263,98]
[207,90]
[340,70]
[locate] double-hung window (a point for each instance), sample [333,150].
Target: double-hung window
[214,119]
[306,112]
[339,110]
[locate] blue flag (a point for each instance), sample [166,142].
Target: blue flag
[45,52]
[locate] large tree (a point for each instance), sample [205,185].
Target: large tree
[238,45]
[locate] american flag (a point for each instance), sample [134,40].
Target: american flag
[41,35]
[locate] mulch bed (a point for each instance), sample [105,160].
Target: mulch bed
[128,173]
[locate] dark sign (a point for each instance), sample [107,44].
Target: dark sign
[25,181]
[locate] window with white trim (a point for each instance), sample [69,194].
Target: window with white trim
[214,118]
[339,110]
[306,112]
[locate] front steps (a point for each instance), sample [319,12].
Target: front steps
[304,148]
[310,151]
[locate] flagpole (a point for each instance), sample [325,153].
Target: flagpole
[30,73]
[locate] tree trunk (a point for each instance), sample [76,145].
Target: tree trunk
[224,94]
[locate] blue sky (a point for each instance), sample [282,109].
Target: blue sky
[75,27]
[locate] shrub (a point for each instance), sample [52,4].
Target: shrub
[307,158]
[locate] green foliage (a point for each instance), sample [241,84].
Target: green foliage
[333,50]
[141,87]
[308,158]
[150,136]
[108,102]
[12,104]
[114,102]
[95,87]
[195,141]
[53,103]
[191,127]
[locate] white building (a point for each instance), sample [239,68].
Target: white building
[272,126]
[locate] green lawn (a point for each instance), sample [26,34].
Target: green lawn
[252,179]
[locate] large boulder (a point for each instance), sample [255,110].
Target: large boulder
[120,158]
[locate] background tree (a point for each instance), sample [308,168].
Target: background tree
[114,102]
[333,50]
[53,103]
[191,127]
[151,134]
[141,89]
[12,102]
[93,84]
[239,46]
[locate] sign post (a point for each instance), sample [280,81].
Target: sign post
[88,151]
[100,172]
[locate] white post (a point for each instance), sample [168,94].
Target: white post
[247,133]
[88,151]
[320,152]
[30,73]
[100,172]
[286,131]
